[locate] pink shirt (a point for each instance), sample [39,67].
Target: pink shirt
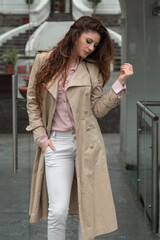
[63,117]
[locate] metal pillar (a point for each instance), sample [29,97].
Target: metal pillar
[14,122]
[155,180]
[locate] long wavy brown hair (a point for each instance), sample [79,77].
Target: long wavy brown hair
[60,55]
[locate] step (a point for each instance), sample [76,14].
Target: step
[60,17]
[23,38]
[117,48]
[24,34]
[12,41]
[16,45]
[12,44]
[118,56]
[17,40]
[110,18]
[117,51]
[20,51]
[117,61]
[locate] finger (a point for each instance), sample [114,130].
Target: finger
[122,71]
[51,146]
[127,65]
[126,69]
[46,144]
[126,73]
[44,148]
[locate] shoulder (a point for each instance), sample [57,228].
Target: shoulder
[92,67]
[43,54]
[41,57]
[94,71]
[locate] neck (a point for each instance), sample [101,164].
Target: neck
[73,58]
[72,62]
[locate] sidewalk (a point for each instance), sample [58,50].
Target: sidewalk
[132,220]
[14,200]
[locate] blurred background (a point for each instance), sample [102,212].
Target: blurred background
[130,131]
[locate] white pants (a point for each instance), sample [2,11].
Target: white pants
[60,165]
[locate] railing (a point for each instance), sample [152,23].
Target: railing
[40,13]
[14,122]
[18,108]
[14,32]
[105,7]
[147,159]
[79,9]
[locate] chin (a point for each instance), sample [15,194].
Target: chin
[84,56]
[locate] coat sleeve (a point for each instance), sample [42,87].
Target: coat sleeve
[102,103]
[35,120]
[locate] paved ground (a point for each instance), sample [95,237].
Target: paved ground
[14,196]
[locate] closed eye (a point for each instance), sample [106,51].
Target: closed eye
[89,42]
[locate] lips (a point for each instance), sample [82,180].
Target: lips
[87,53]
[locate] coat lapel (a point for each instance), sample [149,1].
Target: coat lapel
[53,88]
[80,77]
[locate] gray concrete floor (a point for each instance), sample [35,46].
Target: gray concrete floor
[14,196]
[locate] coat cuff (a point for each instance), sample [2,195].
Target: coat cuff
[37,131]
[118,88]
[41,140]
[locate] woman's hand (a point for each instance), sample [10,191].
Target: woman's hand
[126,72]
[47,143]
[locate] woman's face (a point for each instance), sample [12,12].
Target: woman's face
[87,43]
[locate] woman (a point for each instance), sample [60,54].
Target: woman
[65,97]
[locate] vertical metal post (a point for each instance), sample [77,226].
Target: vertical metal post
[155,177]
[139,116]
[14,122]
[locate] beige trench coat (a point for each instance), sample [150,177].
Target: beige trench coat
[91,194]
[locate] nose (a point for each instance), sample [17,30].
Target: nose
[91,47]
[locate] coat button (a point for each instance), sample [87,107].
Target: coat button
[86,111]
[91,146]
[88,128]
[87,93]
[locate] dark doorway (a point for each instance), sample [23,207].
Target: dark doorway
[58,6]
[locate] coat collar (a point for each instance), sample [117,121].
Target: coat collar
[53,88]
[79,78]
